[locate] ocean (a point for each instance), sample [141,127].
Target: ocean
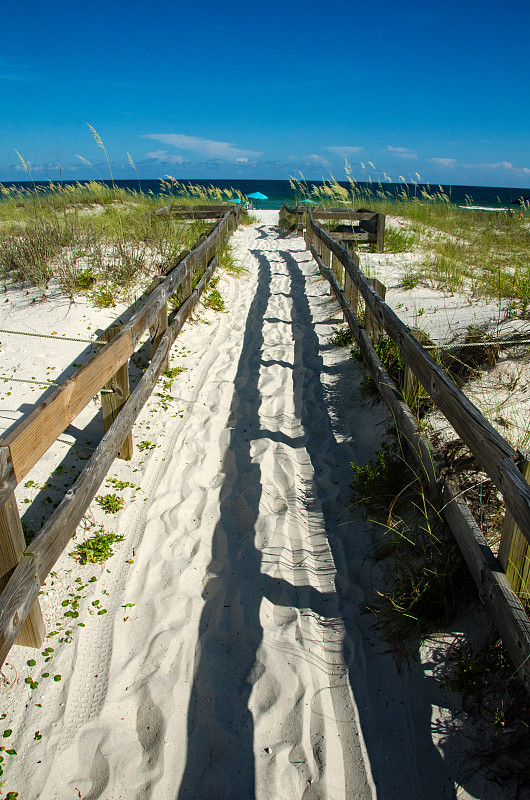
[280,192]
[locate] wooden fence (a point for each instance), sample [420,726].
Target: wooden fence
[24,569]
[358,226]
[186,212]
[496,457]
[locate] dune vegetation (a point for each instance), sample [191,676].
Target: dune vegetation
[95,238]
[484,253]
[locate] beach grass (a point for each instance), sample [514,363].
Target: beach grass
[484,253]
[426,574]
[93,238]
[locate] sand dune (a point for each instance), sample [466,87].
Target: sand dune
[246,667]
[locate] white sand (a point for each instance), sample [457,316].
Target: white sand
[235,659]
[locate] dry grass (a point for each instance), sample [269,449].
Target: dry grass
[483,253]
[92,238]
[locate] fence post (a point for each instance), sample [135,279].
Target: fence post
[352,293]
[311,230]
[185,289]
[514,549]
[157,330]
[373,329]
[116,394]
[380,228]
[326,258]
[412,388]
[12,545]
[300,221]
[338,269]
[350,289]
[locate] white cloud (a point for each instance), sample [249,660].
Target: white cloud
[204,147]
[518,170]
[29,165]
[505,165]
[242,160]
[345,151]
[316,159]
[491,166]
[444,162]
[404,152]
[163,157]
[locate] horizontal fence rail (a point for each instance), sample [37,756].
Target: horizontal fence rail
[25,568]
[21,450]
[193,212]
[494,454]
[362,226]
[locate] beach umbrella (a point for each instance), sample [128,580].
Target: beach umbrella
[312,202]
[257,196]
[234,200]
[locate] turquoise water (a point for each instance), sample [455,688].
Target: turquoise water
[280,192]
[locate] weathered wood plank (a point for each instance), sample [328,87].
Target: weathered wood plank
[32,438]
[405,422]
[493,452]
[12,546]
[12,543]
[115,394]
[300,223]
[337,269]
[325,255]
[345,214]
[373,329]
[16,602]
[356,236]
[513,547]
[501,603]
[218,210]
[351,292]
[157,331]
[40,556]
[193,215]
[8,481]
[380,233]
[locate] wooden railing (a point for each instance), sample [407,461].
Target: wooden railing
[193,211]
[23,569]
[359,225]
[495,455]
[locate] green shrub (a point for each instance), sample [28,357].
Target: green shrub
[97,549]
[341,337]
[110,503]
[376,482]
[214,300]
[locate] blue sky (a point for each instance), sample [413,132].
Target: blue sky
[267,89]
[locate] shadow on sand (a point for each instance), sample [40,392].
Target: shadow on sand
[220,759]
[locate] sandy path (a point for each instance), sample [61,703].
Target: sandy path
[246,667]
